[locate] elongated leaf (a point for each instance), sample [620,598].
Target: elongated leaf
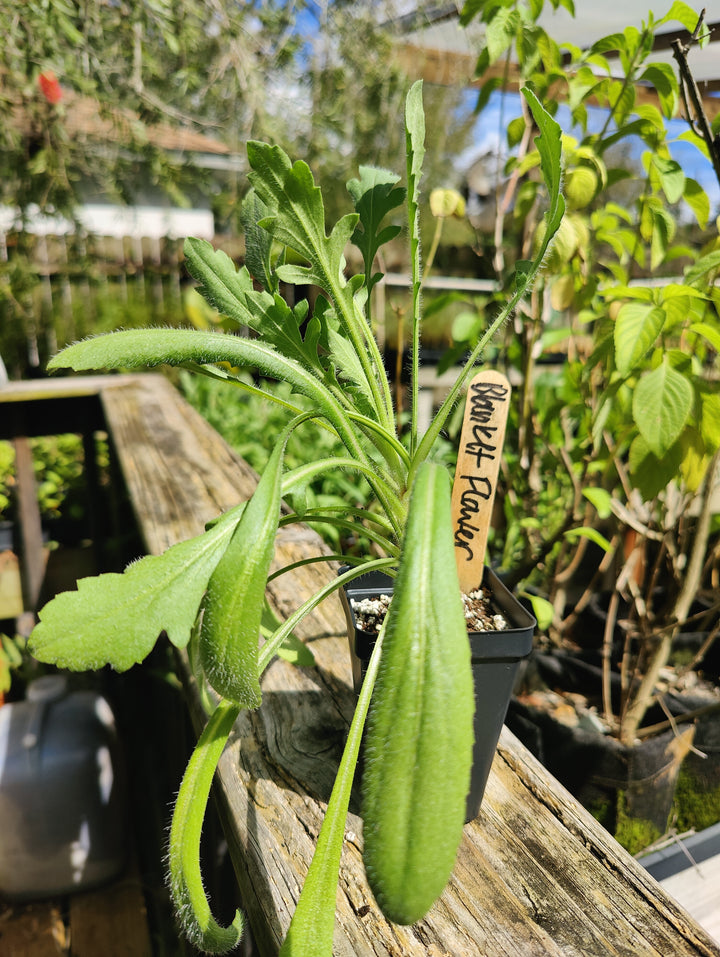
[115,619]
[233,605]
[662,403]
[186,886]
[414,154]
[592,534]
[549,146]
[419,739]
[311,930]
[143,348]
[601,499]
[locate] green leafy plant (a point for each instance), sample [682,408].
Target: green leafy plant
[617,446]
[191,591]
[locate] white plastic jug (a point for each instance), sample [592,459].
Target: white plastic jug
[62,796]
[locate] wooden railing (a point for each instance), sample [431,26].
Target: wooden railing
[536,875]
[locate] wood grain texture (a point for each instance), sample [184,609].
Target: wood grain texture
[111,921]
[536,876]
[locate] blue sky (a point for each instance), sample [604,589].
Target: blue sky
[694,164]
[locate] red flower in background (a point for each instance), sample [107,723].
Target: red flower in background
[50,87]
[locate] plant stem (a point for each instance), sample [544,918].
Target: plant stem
[185,878]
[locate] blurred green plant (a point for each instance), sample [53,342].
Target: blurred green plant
[617,442]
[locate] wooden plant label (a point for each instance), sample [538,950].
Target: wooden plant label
[476,476]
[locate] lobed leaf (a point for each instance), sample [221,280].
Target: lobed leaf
[297,216]
[375,194]
[115,619]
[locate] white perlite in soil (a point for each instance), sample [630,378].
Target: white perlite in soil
[479,614]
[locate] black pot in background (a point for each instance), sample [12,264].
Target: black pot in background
[495,658]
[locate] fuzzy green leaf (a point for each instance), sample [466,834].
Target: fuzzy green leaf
[258,244]
[144,348]
[185,877]
[549,146]
[297,214]
[218,280]
[115,619]
[235,598]
[232,293]
[419,739]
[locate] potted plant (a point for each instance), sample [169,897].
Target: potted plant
[208,593]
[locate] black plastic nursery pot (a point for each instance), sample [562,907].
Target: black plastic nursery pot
[629,788]
[496,657]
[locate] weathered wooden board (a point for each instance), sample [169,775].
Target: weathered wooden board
[111,921]
[536,876]
[32,930]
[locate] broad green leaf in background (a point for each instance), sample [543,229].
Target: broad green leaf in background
[115,619]
[670,176]
[695,459]
[662,77]
[543,609]
[683,13]
[662,403]
[710,420]
[580,187]
[698,201]
[704,267]
[651,474]
[637,327]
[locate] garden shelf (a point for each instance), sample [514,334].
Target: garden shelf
[535,874]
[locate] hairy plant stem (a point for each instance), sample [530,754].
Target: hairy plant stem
[185,878]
